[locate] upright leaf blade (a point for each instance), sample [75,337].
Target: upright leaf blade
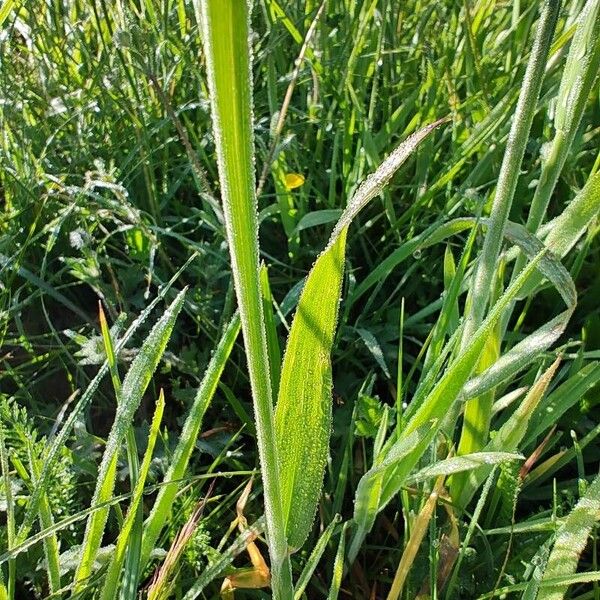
[226,38]
[134,385]
[303,411]
[570,542]
[110,589]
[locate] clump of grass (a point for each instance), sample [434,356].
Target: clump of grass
[364,475]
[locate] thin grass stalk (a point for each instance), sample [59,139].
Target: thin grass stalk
[51,547]
[161,510]
[510,169]
[477,411]
[416,537]
[134,385]
[111,580]
[338,566]
[580,72]
[226,31]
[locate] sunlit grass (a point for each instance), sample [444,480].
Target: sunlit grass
[414,394]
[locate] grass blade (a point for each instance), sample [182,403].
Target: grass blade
[511,165]
[135,541]
[51,548]
[571,540]
[134,385]
[338,566]
[60,439]
[111,581]
[579,74]
[392,469]
[303,411]
[459,464]
[418,532]
[477,412]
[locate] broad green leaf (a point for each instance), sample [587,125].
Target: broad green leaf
[111,580]
[303,411]
[571,540]
[134,385]
[163,504]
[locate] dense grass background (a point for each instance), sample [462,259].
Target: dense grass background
[108,185]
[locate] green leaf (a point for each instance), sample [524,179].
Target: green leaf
[303,411]
[318,217]
[338,566]
[466,462]
[571,540]
[134,385]
[111,581]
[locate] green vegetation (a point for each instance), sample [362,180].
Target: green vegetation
[299,300]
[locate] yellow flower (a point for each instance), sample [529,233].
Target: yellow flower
[293,180]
